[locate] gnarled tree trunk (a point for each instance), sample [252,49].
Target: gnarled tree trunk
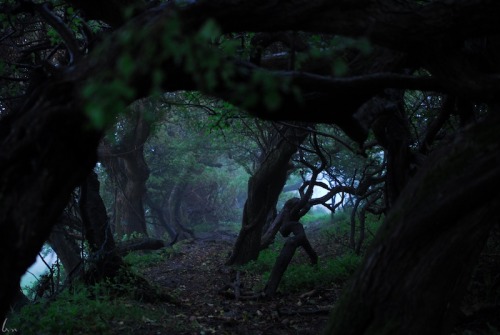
[127,167]
[415,275]
[104,258]
[65,245]
[175,211]
[160,214]
[35,183]
[299,239]
[264,188]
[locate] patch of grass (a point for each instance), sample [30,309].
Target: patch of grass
[341,222]
[316,217]
[203,228]
[339,229]
[266,260]
[80,310]
[141,260]
[304,276]
[232,226]
[131,237]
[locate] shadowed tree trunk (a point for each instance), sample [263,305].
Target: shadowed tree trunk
[127,167]
[160,214]
[65,245]
[415,275]
[35,183]
[104,258]
[175,211]
[264,188]
[392,132]
[299,239]
[287,222]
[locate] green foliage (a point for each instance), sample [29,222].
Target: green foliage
[336,49]
[79,310]
[303,276]
[209,31]
[202,55]
[265,262]
[140,260]
[341,222]
[316,217]
[186,151]
[72,21]
[338,228]
[203,227]
[53,36]
[133,236]
[233,226]
[106,100]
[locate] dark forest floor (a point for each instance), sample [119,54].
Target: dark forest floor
[193,273]
[196,276]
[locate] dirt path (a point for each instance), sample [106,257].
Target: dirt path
[196,274]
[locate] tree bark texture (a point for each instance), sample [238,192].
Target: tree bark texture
[415,275]
[65,246]
[161,215]
[175,211]
[289,212]
[392,132]
[104,258]
[47,149]
[299,239]
[127,167]
[264,188]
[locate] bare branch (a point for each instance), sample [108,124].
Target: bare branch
[63,31]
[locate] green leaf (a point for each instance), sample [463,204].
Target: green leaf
[126,66]
[340,67]
[209,31]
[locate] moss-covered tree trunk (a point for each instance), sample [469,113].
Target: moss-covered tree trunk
[415,275]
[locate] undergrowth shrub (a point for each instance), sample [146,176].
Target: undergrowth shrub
[79,310]
[305,276]
[265,262]
[317,217]
[326,272]
[140,260]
